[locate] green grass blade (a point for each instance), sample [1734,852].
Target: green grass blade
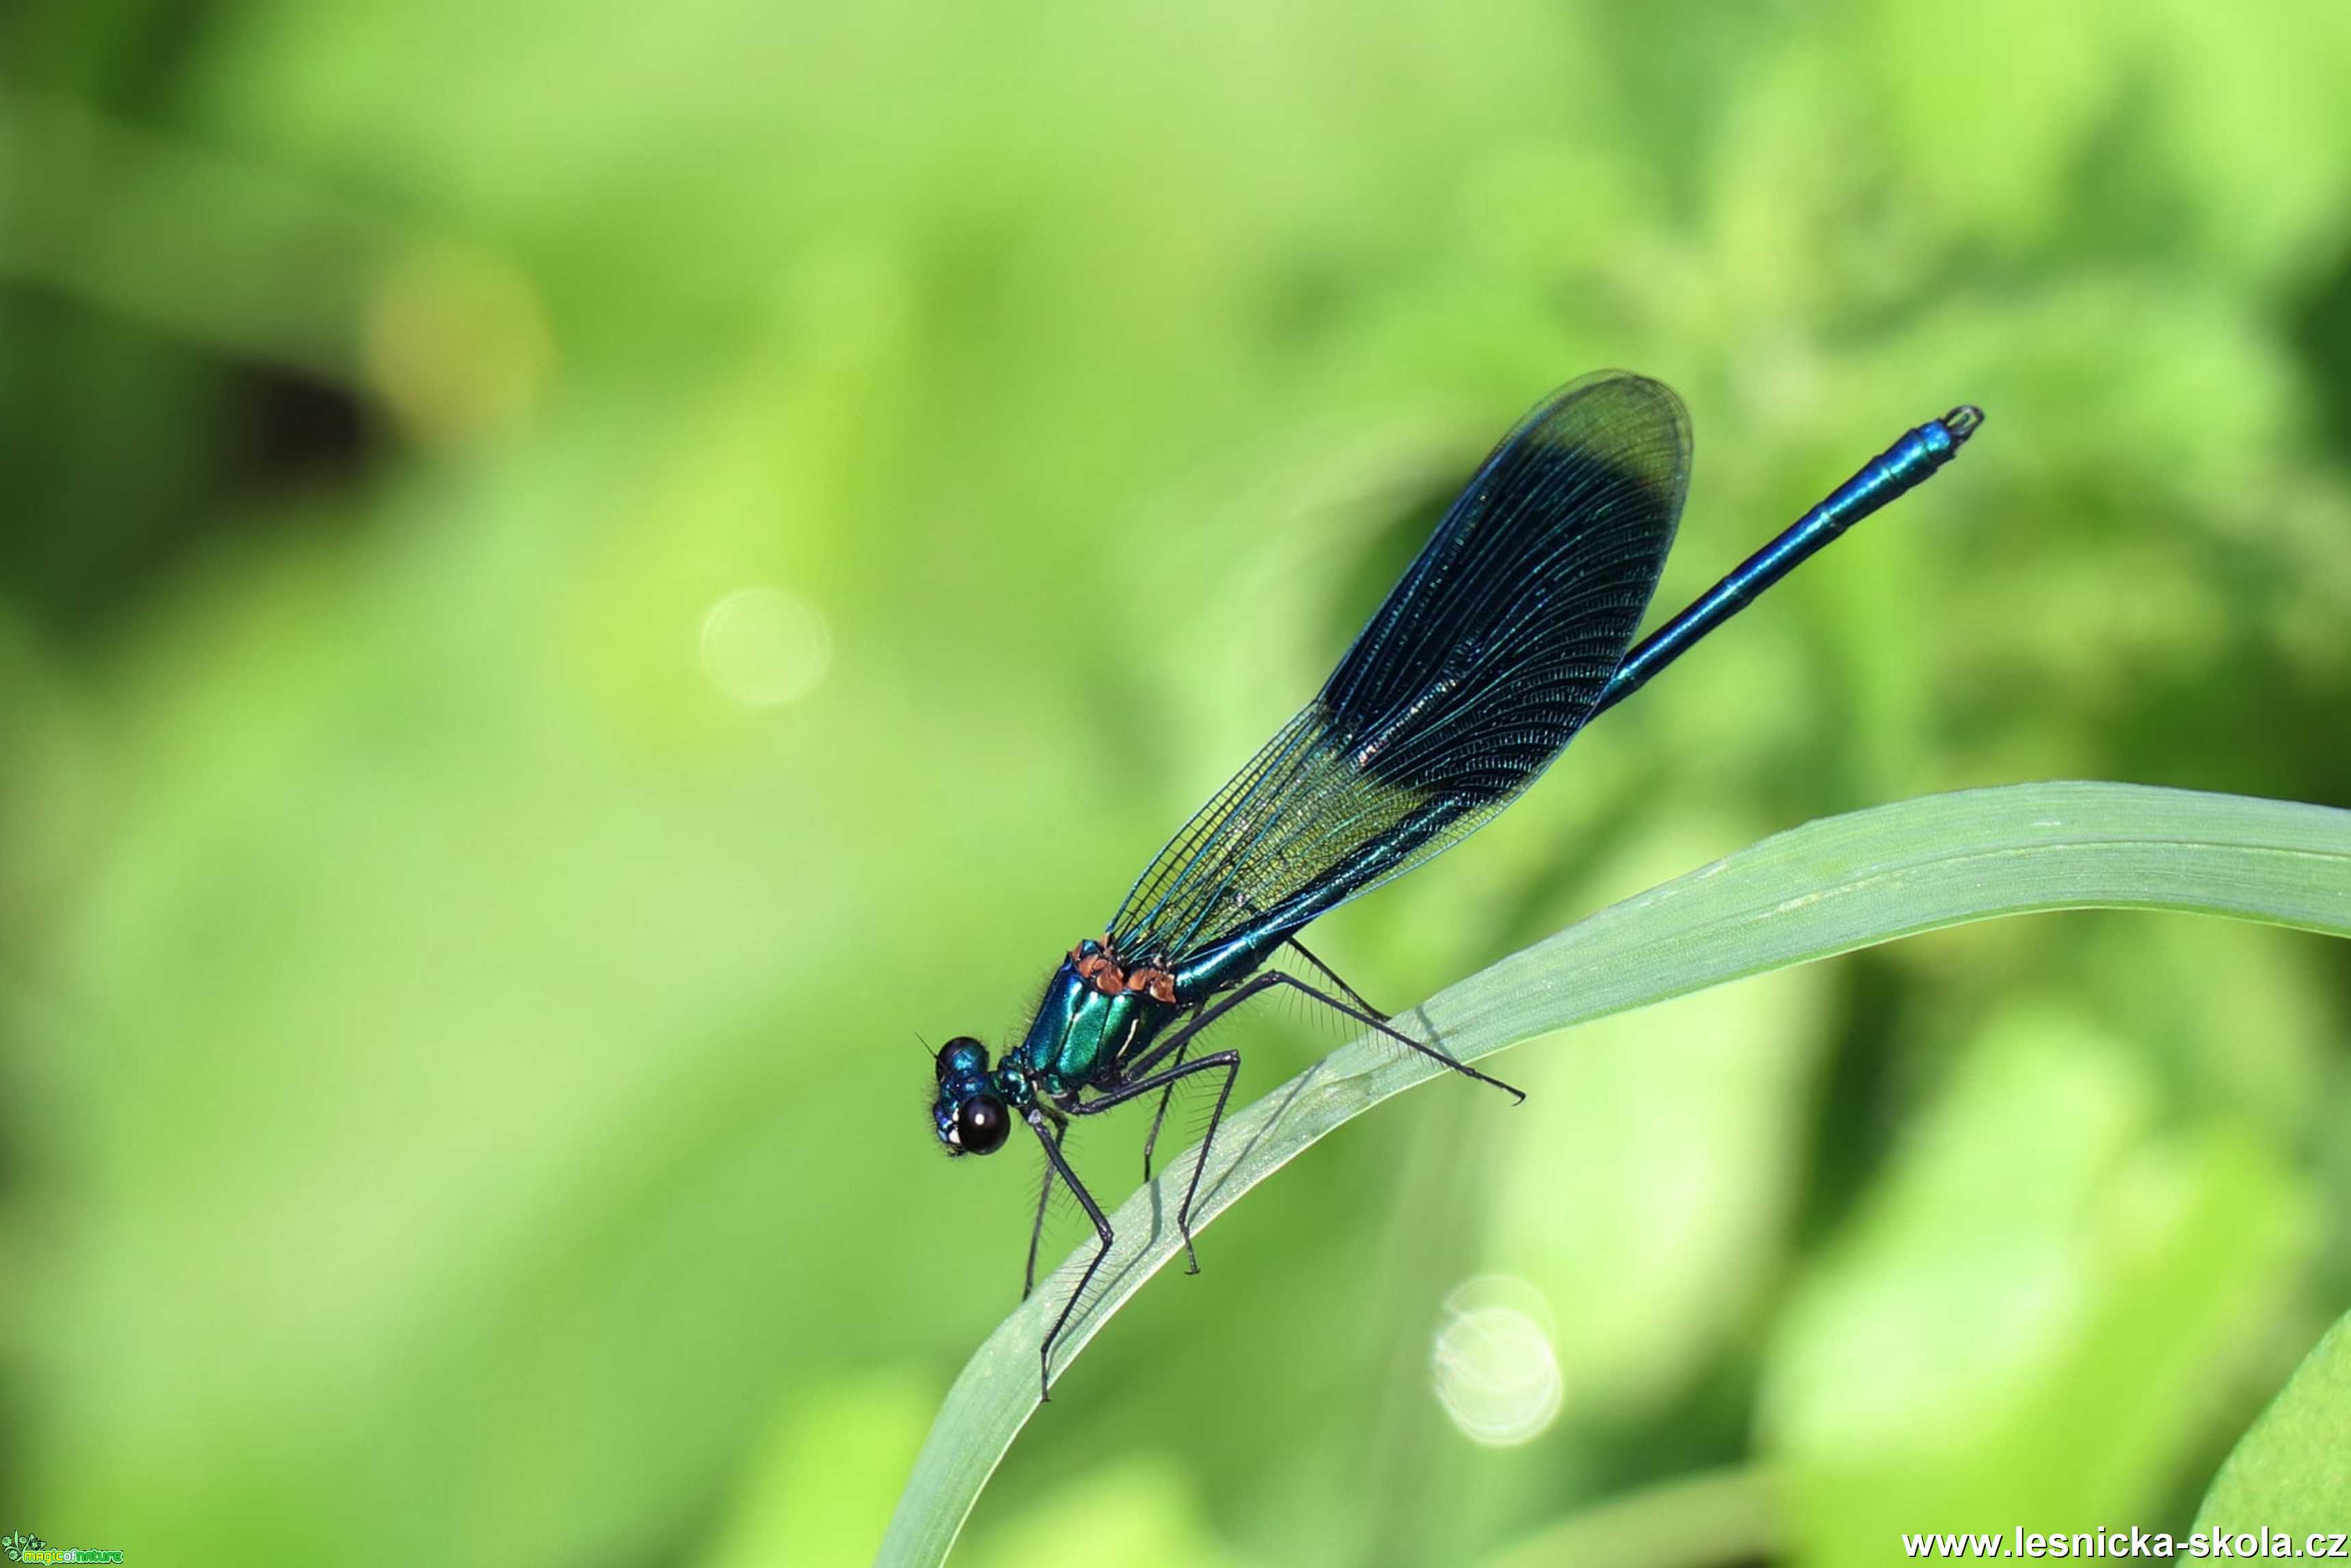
[1826,888]
[2292,1471]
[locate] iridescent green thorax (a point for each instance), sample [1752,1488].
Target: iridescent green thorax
[1080,1033]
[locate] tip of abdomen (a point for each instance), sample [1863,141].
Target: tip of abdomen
[1961,422]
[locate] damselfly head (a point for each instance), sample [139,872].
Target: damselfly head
[962,1057]
[969,1116]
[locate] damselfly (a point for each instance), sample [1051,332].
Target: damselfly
[1505,636]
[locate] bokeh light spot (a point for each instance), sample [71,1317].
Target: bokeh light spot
[765,646]
[1492,1366]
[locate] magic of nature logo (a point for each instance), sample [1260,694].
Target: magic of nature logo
[18,1547]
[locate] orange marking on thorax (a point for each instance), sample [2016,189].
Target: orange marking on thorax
[1156,984]
[1099,970]
[1106,974]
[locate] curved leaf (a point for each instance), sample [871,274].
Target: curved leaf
[1826,888]
[2292,1470]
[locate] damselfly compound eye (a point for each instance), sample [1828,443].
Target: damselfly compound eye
[982,1123]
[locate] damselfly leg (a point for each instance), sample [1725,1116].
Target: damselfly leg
[1044,1196]
[1159,1117]
[1361,1012]
[1227,1062]
[1057,1165]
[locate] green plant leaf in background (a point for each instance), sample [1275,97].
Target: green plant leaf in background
[2025,1317]
[457,1038]
[2293,1471]
[1826,888]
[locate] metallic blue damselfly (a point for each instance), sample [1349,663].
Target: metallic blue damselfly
[1508,633]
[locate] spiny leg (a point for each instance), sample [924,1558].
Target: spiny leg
[1044,1196]
[1151,1139]
[1261,982]
[1357,997]
[1325,970]
[1101,1230]
[1365,1015]
[1332,975]
[1202,1016]
[1229,1061]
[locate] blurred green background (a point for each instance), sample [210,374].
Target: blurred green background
[575,576]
